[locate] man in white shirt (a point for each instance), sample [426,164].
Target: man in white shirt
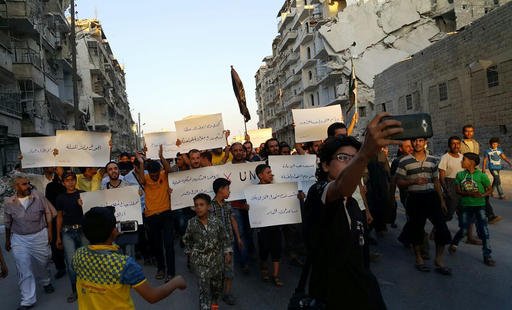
[449,165]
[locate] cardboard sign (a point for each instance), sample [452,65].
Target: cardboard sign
[202,132]
[293,168]
[273,204]
[312,124]
[82,148]
[259,136]
[37,151]
[126,200]
[166,139]
[186,184]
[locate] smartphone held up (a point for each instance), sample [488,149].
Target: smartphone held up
[415,126]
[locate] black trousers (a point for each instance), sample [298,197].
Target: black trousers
[57,254]
[423,206]
[160,237]
[270,243]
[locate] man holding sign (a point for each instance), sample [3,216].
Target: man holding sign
[158,213]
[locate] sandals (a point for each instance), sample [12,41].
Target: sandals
[422,267]
[445,271]
[160,274]
[277,282]
[264,275]
[452,249]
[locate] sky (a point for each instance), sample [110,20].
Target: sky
[177,54]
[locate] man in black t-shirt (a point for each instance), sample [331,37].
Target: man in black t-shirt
[69,226]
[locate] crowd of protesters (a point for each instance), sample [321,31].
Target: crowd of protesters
[354,194]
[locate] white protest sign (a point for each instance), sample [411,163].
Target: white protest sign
[202,132]
[240,139]
[259,136]
[311,124]
[273,204]
[168,141]
[293,168]
[186,184]
[37,152]
[82,148]
[126,200]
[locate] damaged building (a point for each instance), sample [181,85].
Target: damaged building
[103,97]
[318,41]
[463,79]
[35,73]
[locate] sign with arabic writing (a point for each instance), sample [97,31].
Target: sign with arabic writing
[202,132]
[293,168]
[273,204]
[166,139]
[126,201]
[186,184]
[311,124]
[37,152]
[259,136]
[82,148]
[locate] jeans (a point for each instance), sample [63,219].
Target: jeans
[469,214]
[242,219]
[160,237]
[72,239]
[496,181]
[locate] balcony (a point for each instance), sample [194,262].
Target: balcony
[23,15]
[309,84]
[291,80]
[307,63]
[326,75]
[10,104]
[302,15]
[288,38]
[292,101]
[286,17]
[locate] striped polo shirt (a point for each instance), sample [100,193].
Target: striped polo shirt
[410,168]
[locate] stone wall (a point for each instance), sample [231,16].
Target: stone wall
[450,80]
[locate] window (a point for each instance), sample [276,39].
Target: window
[383,107]
[492,76]
[443,91]
[408,102]
[310,75]
[312,98]
[362,111]
[309,52]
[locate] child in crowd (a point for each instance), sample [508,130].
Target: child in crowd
[207,244]
[473,186]
[104,276]
[269,238]
[492,160]
[223,212]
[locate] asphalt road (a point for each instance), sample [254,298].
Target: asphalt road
[472,285]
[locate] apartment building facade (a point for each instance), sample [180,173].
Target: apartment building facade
[318,41]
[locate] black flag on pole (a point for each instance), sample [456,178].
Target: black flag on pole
[238,88]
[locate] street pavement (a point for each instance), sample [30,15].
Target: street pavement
[472,285]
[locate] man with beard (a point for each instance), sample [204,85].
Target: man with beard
[28,232]
[241,214]
[125,241]
[250,153]
[271,148]
[449,166]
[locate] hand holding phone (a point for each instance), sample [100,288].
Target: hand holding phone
[415,126]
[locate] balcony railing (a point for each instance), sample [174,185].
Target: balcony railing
[25,55]
[10,103]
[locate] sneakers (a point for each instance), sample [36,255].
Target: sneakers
[229,299]
[495,219]
[48,289]
[489,261]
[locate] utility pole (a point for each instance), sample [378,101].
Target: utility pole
[76,109]
[138,133]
